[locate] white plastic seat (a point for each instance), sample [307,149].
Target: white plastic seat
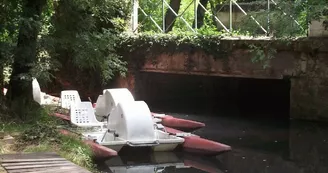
[101,108]
[82,114]
[69,97]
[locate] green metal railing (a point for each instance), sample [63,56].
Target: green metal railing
[161,26]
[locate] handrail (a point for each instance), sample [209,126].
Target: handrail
[197,4]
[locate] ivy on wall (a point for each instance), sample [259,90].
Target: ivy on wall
[172,43]
[137,47]
[262,54]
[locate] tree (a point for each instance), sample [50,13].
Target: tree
[19,93]
[84,34]
[200,13]
[287,18]
[170,17]
[9,14]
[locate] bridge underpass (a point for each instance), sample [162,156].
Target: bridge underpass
[220,96]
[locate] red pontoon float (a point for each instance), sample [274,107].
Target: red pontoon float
[179,123]
[99,151]
[197,145]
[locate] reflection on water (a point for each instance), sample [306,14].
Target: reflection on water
[159,162]
[259,146]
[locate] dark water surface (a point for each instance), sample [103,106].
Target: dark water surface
[259,146]
[250,115]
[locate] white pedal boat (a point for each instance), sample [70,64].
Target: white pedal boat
[104,105]
[130,124]
[109,100]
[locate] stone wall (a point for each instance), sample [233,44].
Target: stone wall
[317,29]
[303,61]
[309,91]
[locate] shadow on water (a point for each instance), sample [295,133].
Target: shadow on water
[301,147]
[252,116]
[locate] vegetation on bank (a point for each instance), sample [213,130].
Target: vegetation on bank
[42,135]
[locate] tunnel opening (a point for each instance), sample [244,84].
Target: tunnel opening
[212,95]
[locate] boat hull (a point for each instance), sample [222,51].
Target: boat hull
[99,151]
[197,145]
[117,148]
[201,146]
[157,148]
[164,147]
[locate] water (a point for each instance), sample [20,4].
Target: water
[259,146]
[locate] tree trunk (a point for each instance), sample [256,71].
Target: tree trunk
[1,80]
[19,93]
[200,14]
[169,15]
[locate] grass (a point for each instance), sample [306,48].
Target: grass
[68,147]
[43,136]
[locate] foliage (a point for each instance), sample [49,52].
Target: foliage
[85,33]
[187,9]
[42,135]
[91,38]
[9,20]
[8,37]
[151,8]
[172,43]
[287,18]
[262,54]
[44,127]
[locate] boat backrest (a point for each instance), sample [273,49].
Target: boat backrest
[82,114]
[132,121]
[110,99]
[36,90]
[4,90]
[68,97]
[102,105]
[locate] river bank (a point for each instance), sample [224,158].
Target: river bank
[42,135]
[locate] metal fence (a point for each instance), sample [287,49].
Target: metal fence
[149,15]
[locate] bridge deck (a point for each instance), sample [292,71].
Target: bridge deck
[38,163]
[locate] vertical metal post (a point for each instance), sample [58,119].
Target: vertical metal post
[230,16]
[268,18]
[163,17]
[195,13]
[134,18]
